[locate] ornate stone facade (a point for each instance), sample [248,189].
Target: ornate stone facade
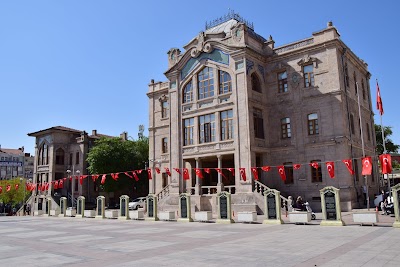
[292,104]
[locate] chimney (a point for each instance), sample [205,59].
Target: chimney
[94,132]
[124,136]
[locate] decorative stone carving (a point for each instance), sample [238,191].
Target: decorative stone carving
[173,56]
[163,98]
[237,32]
[201,46]
[308,60]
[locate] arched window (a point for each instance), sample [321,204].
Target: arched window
[60,155]
[225,84]
[205,83]
[255,83]
[43,155]
[188,93]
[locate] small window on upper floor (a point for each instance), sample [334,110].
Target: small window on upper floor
[282,82]
[255,83]
[164,109]
[355,83]
[165,145]
[187,93]
[352,124]
[286,131]
[225,83]
[308,71]
[313,124]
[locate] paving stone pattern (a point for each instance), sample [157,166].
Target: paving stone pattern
[51,241]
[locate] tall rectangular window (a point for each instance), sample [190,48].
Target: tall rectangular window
[363,88]
[205,83]
[225,84]
[355,83]
[258,123]
[164,109]
[165,145]
[188,131]
[288,172]
[346,75]
[77,158]
[308,71]
[282,82]
[70,159]
[286,131]
[207,128]
[313,124]
[368,132]
[352,124]
[226,125]
[188,93]
[316,174]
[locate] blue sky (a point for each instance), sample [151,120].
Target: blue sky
[87,64]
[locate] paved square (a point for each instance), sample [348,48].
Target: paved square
[51,241]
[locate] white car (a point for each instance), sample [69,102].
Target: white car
[137,203]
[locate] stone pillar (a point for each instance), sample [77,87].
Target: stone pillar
[123,207]
[272,202]
[63,206]
[220,185]
[197,187]
[330,204]
[80,207]
[396,202]
[185,208]
[224,208]
[100,200]
[151,208]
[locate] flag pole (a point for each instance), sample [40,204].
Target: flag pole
[383,133]
[362,143]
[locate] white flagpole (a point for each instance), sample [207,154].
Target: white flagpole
[362,142]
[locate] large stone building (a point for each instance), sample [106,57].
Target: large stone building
[61,152]
[15,163]
[234,100]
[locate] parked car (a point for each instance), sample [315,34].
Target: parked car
[137,203]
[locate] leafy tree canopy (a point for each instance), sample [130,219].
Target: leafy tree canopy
[112,155]
[390,146]
[14,196]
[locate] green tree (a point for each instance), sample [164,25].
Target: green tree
[114,155]
[390,146]
[14,196]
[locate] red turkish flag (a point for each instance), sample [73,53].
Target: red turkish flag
[149,174]
[243,173]
[1,189]
[95,177]
[56,184]
[103,178]
[157,170]
[330,166]
[70,178]
[177,170]
[61,183]
[232,170]
[16,186]
[222,174]
[366,166]
[386,163]
[139,171]
[314,165]
[65,179]
[186,174]
[80,180]
[135,176]
[296,166]
[281,170]
[199,173]
[379,104]
[8,187]
[266,168]
[115,176]
[207,170]
[255,173]
[349,165]
[167,171]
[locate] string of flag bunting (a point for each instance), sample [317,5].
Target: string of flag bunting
[367,162]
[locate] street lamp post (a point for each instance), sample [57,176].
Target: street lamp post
[78,172]
[69,174]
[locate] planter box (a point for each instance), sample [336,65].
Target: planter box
[136,214]
[89,213]
[166,215]
[203,216]
[247,216]
[54,212]
[70,213]
[111,214]
[365,218]
[300,217]
[38,212]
